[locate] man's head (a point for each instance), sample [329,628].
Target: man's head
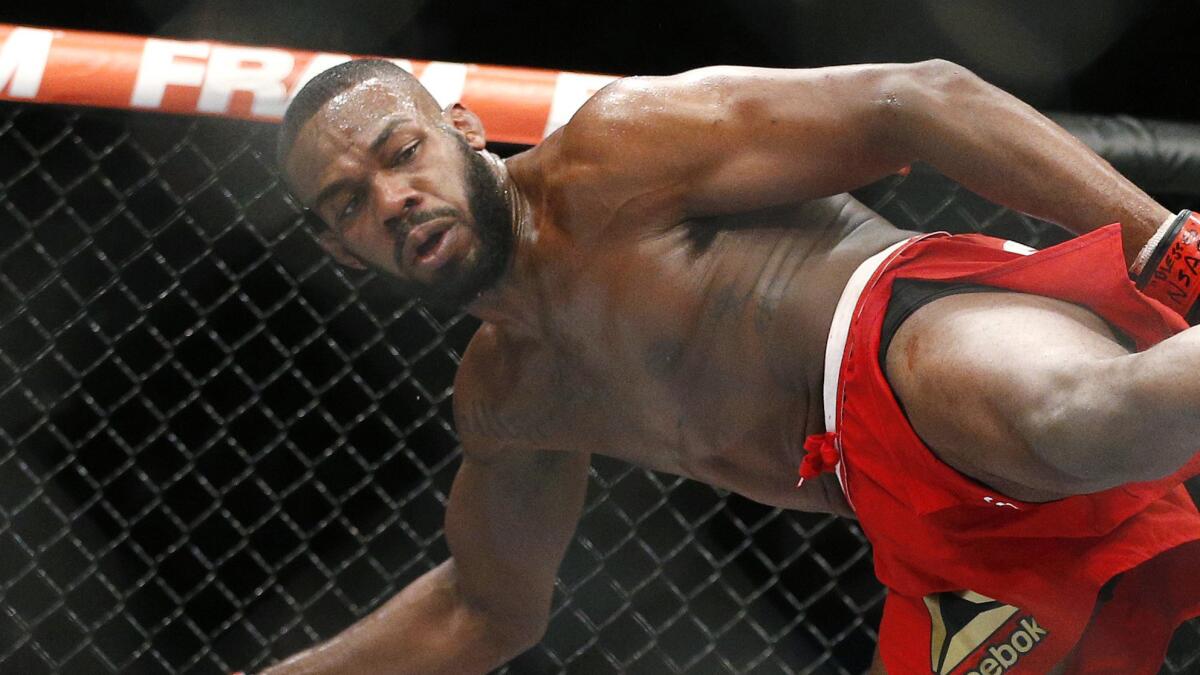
[400,184]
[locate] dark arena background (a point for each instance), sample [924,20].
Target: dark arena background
[217,448]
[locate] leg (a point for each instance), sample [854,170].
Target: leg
[1036,398]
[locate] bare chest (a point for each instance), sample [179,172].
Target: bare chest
[676,363]
[707,349]
[697,352]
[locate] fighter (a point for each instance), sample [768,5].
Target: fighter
[678,278]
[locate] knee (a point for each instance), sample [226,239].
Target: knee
[1092,429]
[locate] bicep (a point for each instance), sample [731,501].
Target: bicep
[732,139]
[799,134]
[508,523]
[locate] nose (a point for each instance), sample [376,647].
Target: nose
[395,200]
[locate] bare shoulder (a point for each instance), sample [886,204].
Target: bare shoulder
[626,111]
[639,143]
[477,394]
[731,139]
[488,352]
[502,392]
[711,95]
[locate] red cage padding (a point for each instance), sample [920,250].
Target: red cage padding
[104,70]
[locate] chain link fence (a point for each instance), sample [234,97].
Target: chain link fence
[218,448]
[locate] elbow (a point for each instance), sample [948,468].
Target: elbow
[929,87]
[916,102]
[943,78]
[944,75]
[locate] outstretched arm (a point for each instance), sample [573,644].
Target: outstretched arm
[509,520]
[755,137]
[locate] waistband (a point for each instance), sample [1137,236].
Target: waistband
[839,332]
[844,315]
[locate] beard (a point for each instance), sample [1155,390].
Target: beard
[460,282]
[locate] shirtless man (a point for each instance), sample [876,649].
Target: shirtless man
[657,282]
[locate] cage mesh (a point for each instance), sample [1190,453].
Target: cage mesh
[217,448]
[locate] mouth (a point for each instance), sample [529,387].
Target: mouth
[427,245]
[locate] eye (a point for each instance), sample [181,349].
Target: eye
[350,208]
[405,154]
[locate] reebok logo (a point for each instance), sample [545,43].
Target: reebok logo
[973,634]
[1005,655]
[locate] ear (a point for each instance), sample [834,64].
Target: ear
[467,123]
[334,247]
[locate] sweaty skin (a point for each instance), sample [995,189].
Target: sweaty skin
[680,247]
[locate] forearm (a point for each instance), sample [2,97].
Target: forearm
[1007,152]
[427,628]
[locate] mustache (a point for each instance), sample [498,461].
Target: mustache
[432,214]
[415,219]
[402,228]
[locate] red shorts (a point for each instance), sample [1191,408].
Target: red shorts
[979,582]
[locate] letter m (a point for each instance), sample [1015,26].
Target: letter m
[23,60]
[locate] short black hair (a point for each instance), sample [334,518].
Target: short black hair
[319,90]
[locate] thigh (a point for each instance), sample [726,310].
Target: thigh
[976,372]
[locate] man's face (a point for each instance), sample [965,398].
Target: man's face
[403,193]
